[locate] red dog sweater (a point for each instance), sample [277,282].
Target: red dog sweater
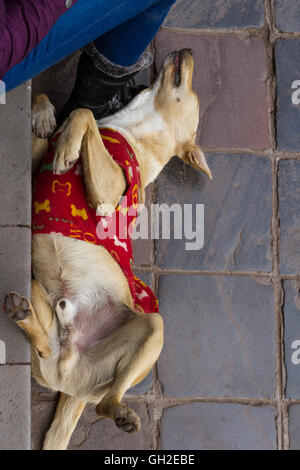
[60,205]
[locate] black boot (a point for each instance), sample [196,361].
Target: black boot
[101,86]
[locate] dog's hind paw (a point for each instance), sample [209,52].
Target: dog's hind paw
[17,307]
[126,419]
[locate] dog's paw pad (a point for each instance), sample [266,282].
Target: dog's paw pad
[16,306]
[127,420]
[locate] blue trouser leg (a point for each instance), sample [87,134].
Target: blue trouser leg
[85,21]
[125,44]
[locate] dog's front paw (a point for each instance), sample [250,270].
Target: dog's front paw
[43,121]
[126,419]
[16,306]
[67,152]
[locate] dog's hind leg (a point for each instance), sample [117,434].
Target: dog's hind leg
[68,412]
[44,313]
[143,337]
[23,312]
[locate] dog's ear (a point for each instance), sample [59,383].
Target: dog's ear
[195,157]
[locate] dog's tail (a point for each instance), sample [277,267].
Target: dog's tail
[65,311]
[68,412]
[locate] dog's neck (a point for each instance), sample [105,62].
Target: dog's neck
[147,132]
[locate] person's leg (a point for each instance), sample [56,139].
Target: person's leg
[103,81]
[84,22]
[125,44]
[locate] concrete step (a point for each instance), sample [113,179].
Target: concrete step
[15,266]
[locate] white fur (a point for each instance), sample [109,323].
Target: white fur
[65,315]
[137,121]
[140,117]
[76,270]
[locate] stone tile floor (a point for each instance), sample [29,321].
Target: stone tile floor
[15,265]
[229,374]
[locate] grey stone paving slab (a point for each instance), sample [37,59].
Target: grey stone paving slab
[43,405]
[15,157]
[294,427]
[15,274]
[143,387]
[93,433]
[219,336]
[289,213]
[218,14]
[15,407]
[230,79]
[218,426]
[237,214]
[288,93]
[287,15]
[292,337]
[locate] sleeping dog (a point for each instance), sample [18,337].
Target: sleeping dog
[94,327]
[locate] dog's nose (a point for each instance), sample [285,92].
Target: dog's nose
[186,51]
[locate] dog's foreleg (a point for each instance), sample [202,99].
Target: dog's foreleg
[104,178]
[68,412]
[43,124]
[23,312]
[144,339]
[43,121]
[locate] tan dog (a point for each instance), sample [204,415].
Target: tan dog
[159,123]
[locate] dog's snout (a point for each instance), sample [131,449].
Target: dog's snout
[187,51]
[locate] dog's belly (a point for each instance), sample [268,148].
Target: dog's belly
[91,282]
[84,273]
[92,345]
[89,328]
